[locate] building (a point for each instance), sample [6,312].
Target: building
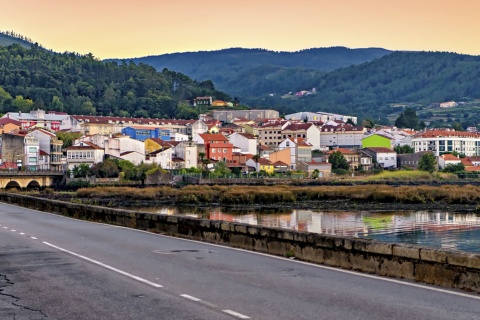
[447,159]
[386,157]
[144,132]
[320,116]
[246,142]
[341,136]
[203,101]
[217,146]
[410,160]
[53,121]
[50,150]
[306,131]
[324,168]
[228,115]
[441,141]
[84,153]
[378,140]
[300,150]
[352,156]
[8,125]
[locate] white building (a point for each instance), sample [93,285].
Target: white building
[320,116]
[245,141]
[384,156]
[300,150]
[342,136]
[84,152]
[440,141]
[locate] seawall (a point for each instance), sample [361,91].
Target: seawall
[438,267]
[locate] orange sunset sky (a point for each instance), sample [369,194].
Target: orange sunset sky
[124,29]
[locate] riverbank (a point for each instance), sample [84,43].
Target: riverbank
[378,197]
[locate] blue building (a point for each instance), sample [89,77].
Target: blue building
[142,133]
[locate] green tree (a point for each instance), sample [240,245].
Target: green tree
[104,169]
[68,138]
[80,171]
[454,168]
[408,119]
[21,104]
[404,149]
[220,169]
[338,161]
[427,162]
[457,126]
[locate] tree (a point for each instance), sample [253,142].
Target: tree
[338,161]
[256,158]
[404,149]
[427,162]
[457,126]
[68,138]
[350,121]
[368,123]
[454,168]
[408,119]
[80,171]
[104,169]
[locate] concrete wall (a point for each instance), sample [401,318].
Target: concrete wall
[438,267]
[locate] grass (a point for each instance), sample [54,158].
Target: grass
[249,195]
[408,175]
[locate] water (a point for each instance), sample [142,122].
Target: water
[457,231]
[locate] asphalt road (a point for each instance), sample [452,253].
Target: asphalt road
[53,267]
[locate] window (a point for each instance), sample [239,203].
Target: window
[224,150]
[32,149]
[213,150]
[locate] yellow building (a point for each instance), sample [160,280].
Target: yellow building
[152,144]
[282,156]
[219,103]
[265,165]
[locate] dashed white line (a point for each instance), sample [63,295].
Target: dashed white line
[22,233]
[34,238]
[13,230]
[236,314]
[5,228]
[190,297]
[106,266]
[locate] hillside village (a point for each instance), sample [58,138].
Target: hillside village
[244,140]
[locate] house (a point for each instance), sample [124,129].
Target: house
[280,167]
[324,168]
[187,152]
[262,164]
[320,116]
[300,150]
[246,142]
[21,149]
[353,157]
[84,153]
[219,103]
[217,146]
[447,159]
[366,161]
[386,157]
[8,125]
[303,130]
[51,147]
[162,157]
[118,146]
[252,114]
[410,160]
[282,156]
[203,101]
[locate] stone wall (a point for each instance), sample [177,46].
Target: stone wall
[427,265]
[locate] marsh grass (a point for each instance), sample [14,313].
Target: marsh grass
[248,195]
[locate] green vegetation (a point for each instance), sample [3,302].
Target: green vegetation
[427,162]
[81,84]
[249,195]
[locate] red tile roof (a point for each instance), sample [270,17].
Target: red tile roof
[449,157]
[341,150]
[447,133]
[381,150]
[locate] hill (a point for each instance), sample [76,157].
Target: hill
[9,38]
[399,79]
[267,71]
[82,84]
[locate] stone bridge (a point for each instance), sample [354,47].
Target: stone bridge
[30,179]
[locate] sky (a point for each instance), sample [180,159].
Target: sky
[128,29]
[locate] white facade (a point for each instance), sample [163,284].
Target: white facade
[162,157]
[341,137]
[319,116]
[387,158]
[84,152]
[242,141]
[441,141]
[187,151]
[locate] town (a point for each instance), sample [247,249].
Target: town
[239,141]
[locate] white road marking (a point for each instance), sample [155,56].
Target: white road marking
[34,238]
[417,285]
[106,266]
[236,314]
[22,233]
[13,230]
[5,228]
[190,297]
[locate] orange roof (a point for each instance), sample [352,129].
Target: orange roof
[447,133]
[449,156]
[381,150]
[466,162]
[341,150]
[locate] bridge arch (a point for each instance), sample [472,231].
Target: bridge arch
[12,185]
[33,185]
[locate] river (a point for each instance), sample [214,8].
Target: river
[457,231]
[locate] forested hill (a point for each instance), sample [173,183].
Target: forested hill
[81,84]
[9,37]
[274,71]
[401,77]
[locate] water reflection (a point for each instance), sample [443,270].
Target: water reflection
[460,231]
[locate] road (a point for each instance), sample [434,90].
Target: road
[52,267]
